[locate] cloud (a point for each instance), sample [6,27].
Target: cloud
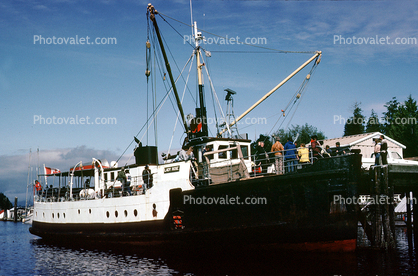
[16,170]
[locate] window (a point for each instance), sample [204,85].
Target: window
[234,153]
[209,148]
[222,155]
[396,155]
[244,150]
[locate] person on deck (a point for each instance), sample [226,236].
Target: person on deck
[38,187]
[339,150]
[316,148]
[277,148]
[122,178]
[290,155]
[262,158]
[328,151]
[303,154]
[147,178]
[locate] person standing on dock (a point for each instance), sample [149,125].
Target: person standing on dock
[384,150]
[377,146]
[277,148]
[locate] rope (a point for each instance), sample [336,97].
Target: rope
[252,45]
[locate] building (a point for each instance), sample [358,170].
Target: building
[365,143]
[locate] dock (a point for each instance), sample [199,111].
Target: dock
[377,217]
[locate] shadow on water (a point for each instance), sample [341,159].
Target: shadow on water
[171,260]
[29,255]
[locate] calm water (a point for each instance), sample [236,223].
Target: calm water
[24,254]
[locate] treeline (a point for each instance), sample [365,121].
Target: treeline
[5,202]
[299,134]
[399,121]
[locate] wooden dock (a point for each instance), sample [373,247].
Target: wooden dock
[377,217]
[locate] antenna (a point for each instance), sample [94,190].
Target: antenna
[191,16]
[230,116]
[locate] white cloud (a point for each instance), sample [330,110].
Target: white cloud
[15,168]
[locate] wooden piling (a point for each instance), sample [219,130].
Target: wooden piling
[377,218]
[15,211]
[413,221]
[388,216]
[408,219]
[382,211]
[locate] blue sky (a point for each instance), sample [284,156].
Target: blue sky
[108,81]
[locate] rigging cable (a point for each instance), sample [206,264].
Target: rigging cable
[247,44]
[295,97]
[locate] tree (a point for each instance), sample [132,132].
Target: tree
[5,202]
[373,123]
[267,143]
[355,124]
[305,133]
[401,123]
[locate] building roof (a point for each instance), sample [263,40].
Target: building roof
[351,140]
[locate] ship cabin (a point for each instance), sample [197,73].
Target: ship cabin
[220,160]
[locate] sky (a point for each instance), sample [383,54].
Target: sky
[42,78]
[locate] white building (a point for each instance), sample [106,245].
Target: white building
[364,142]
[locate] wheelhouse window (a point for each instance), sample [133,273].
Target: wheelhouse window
[234,152]
[244,150]
[224,154]
[210,148]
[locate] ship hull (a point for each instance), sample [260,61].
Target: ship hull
[293,211]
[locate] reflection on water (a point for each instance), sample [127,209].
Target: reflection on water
[24,254]
[84,260]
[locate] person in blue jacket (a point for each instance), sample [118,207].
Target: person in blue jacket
[290,156]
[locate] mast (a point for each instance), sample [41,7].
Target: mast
[317,54]
[201,116]
[153,12]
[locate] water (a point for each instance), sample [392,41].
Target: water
[24,254]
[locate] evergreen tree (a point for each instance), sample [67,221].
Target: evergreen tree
[390,127]
[355,124]
[401,123]
[5,202]
[373,123]
[267,143]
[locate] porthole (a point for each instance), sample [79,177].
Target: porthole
[78,211]
[43,215]
[116,213]
[107,214]
[126,213]
[63,214]
[135,213]
[58,215]
[52,215]
[89,211]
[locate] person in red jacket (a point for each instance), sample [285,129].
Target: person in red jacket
[316,149]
